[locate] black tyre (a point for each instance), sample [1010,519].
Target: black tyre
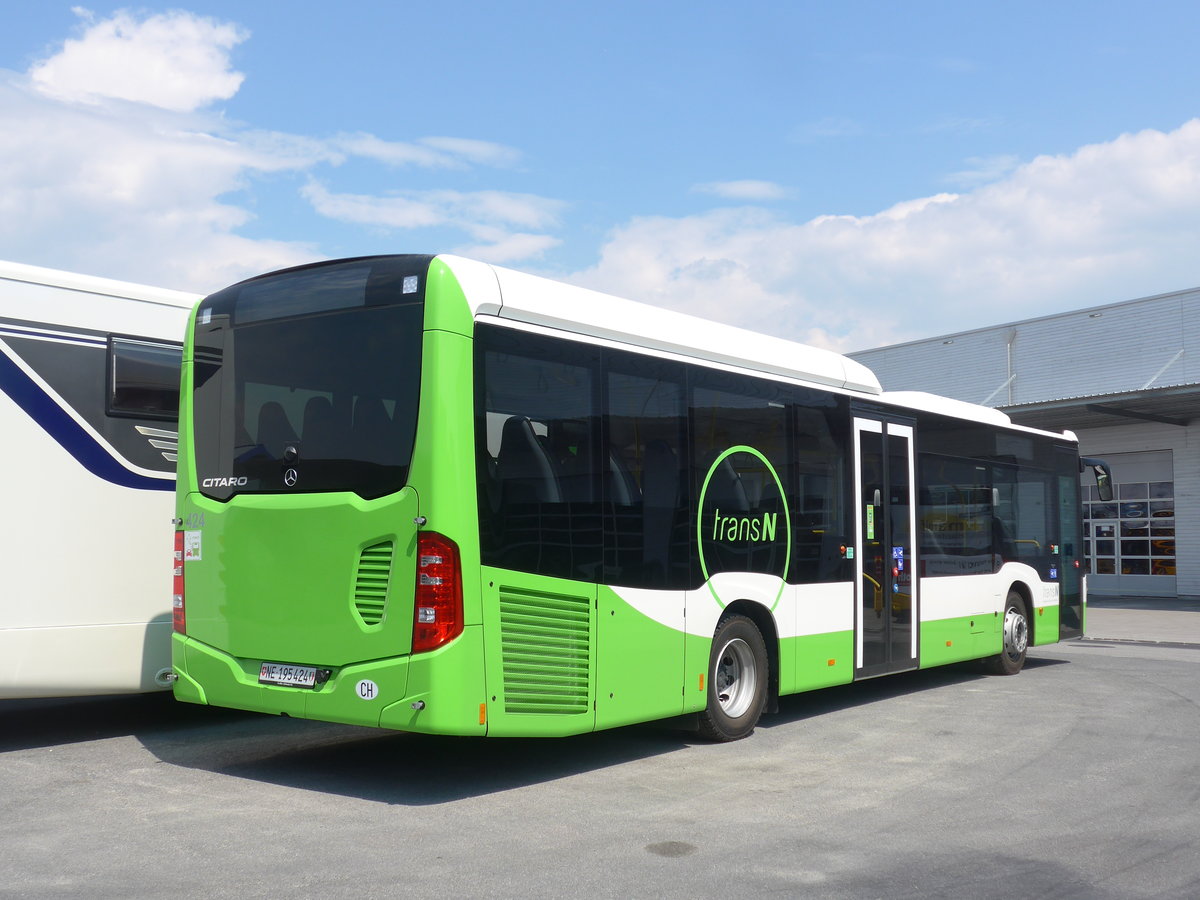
[737,680]
[1011,657]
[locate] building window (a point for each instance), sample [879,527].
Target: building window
[1135,533]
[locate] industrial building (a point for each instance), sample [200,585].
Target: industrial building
[1125,377]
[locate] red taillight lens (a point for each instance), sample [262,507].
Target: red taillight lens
[438,611]
[178,615]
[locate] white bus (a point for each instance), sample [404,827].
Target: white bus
[89,393]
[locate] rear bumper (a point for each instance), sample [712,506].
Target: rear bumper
[441,692]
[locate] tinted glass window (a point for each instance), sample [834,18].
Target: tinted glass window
[741,476]
[604,465]
[143,378]
[957,520]
[538,460]
[647,540]
[818,512]
[1026,512]
[300,392]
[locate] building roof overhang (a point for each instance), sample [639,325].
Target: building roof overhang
[1177,405]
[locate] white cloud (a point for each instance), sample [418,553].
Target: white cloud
[431,152]
[131,195]
[481,152]
[497,246]
[983,169]
[367,209]
[423,209]
[486,216]
[1111,221]
[748,190]
[112,163]
[174,60]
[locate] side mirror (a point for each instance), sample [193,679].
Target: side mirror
[1103,476]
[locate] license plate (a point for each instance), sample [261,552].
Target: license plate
[292,676]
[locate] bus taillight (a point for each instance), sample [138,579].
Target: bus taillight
[438,607]
[178,615]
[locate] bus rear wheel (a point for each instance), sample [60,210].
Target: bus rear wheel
[737,680]
[1011,657]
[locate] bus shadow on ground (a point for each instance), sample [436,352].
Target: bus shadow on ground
[40,723]
[421,770]
[799,707]
[396,767]
[401,768]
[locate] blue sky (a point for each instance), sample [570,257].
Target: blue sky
[848,174]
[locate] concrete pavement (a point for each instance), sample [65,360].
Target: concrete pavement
[1159,620]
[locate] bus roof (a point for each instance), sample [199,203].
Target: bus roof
[962,409]
[91,284]
[507,294]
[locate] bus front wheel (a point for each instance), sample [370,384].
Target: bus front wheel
[737,680]
[1011,657]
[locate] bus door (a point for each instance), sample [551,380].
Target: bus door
[886,612]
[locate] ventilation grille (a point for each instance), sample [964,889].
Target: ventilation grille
[545,644]
[371,582]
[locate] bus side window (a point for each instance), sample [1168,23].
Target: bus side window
[143,378]
[536,456]
[646,542]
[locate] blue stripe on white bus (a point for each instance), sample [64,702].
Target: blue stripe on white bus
[73,438]
[61,337]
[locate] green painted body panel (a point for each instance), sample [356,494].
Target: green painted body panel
[449,681]
[821,660]
[443,466]
[446,307]
[1045,625]
[540,654]
[287,565]
[953,640]
[277,576]
[640,672]
[696,650]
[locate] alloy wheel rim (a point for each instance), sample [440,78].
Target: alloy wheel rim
[735,678]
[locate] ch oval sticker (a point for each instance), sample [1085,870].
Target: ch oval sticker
[366,689]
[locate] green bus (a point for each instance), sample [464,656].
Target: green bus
[430,494]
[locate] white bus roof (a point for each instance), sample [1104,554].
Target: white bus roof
[91,284]
[506,294]
[962,409]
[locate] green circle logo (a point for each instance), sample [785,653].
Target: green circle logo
[738,526]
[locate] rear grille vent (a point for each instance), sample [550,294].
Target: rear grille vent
[371,582]
[546,652]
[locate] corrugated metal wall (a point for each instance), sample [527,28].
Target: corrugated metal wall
[1151,342]
[1103,350]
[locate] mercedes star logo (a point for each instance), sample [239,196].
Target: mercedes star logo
[290,477]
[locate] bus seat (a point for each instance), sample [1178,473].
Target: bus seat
[525,471]
[275,432]
[371,430]
[319,434]
[660,496]
[725,489]
[622,486]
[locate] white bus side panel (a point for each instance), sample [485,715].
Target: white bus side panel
[84,562]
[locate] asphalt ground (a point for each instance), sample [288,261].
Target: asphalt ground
[1078,778]
[1165,620]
